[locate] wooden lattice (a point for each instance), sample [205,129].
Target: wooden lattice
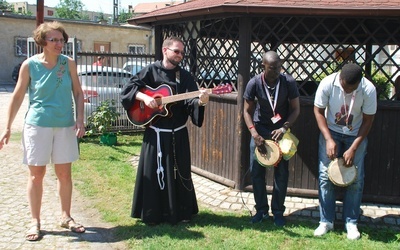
[311,48]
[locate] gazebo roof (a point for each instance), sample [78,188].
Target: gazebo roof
[198,8]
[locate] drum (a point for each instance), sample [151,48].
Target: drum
[339,174]
[272,157]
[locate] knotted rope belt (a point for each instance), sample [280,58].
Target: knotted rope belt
[160,168]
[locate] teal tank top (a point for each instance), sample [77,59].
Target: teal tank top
[50,94]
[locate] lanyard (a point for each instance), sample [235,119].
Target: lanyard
[273,105]
[353,97]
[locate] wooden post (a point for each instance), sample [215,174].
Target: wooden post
[39,12]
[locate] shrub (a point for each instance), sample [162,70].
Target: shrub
[100,121]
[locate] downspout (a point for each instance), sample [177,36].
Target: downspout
[39,12]
[150,41]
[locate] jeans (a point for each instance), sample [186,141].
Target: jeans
[353,193]
[281,176]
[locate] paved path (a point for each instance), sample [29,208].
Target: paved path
[14,216]
[220,197]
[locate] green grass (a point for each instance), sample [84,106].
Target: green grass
[105,176]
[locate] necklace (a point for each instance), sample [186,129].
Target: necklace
[272,95]
[271,91]
[270,88]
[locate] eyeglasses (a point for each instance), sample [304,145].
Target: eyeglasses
[177,51]
[56,40]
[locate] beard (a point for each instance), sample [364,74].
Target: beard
[173,61]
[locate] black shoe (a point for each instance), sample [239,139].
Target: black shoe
[259,217]
[279,220]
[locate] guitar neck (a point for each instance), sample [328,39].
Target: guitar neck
[183,96]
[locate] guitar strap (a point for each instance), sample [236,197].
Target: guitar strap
[177,80]
[178,76]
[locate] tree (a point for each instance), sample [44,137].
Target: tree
[70,9]
[123,16]
[4,6]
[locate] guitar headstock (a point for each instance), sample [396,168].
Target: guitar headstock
[222,89]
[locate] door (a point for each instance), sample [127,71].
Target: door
[103,47]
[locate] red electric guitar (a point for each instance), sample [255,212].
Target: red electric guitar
[140,115]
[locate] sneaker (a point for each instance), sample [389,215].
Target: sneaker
[279,220]
[323,228]
[259,217]
[352,231]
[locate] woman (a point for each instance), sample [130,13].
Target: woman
[50,131]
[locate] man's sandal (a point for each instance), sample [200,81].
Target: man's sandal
[33,234]
[70,224]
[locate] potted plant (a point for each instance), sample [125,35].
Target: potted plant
[100,122]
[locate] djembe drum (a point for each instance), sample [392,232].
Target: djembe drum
[272,157]
[341,175]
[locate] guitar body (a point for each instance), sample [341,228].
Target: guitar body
[140,115]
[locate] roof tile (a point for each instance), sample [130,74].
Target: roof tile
[372,7]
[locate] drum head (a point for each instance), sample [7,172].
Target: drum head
[339,174]
[272,157]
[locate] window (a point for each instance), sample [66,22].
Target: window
[20,9]
[20,45]
[50,13]
[78,45]
[136,49]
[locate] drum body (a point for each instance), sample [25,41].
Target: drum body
[340,175]
[272,157]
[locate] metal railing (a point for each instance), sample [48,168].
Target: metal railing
[104,82]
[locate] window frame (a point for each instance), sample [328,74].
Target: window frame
[20,46]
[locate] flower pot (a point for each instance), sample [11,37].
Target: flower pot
[108,139]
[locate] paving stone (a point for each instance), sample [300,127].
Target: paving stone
[225,205]
[236,206]
[380,212]
[14,218]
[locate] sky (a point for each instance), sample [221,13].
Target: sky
[105,6]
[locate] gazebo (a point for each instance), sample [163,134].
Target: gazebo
[225,40]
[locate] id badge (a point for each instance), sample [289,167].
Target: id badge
[345,129]
[276,118]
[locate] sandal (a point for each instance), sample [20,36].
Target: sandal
[70,224]
[33,234]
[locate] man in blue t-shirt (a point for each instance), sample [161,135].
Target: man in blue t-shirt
[276,109]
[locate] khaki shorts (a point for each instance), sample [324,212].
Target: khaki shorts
[44,145]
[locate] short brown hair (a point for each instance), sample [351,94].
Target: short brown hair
[39,34]
[170,40]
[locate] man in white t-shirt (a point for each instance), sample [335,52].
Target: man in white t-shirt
[344,107]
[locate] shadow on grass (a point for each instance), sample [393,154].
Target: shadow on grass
[205,219]
[296,227]
[375,229]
